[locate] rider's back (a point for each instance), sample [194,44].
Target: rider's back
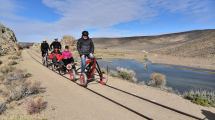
[67,54]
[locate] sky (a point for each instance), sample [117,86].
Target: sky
[36,20]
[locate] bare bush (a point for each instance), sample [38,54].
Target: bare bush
[14,57]
[12,62]
[33,87]
[2,107]
[126,74]
[157,80]
[1,77]
[19,53]
[14,75]
[36,105]
[6,69]
[24,89]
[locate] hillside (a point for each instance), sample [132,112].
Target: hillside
[198,43]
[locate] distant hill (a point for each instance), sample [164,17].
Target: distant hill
[25,44]
[197,43]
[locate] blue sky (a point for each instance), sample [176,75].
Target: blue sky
[36,20]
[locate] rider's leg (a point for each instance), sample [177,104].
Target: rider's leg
[43,53]
[83,63]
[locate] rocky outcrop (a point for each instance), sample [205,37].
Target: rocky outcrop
[8,41]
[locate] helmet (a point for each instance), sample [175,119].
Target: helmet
[85,33]
[56,39]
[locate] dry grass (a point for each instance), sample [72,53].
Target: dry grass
[157,80]
[1,77]
[14,57]
[19,53]
[126,74]
[24,89]
[6,69]
[18,87]
[35,105]
[23,117]
[3,107]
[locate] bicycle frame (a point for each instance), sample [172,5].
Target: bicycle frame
[91,68]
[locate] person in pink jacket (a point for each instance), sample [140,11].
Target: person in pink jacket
[67,56]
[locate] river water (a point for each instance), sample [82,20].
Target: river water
[179,78]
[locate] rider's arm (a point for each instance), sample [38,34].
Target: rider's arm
[91,47]
[59,45]
[51,45]
[79,47]
[48,46]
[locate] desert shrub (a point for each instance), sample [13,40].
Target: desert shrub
[113,73]
[157,80]
[6,69]
[15,75]
[35,105]
[27,75]
[14,57]
[33,87]
[12,62]
[1,77]
[2,107]
[16,94]
[19,87]
[19,53]
[24,89]
[126,74]
[201,97]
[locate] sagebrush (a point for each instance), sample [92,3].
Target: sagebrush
[126,74]
[201,97]
[36,105]
[157,80]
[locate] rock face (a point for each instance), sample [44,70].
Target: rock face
[8,41]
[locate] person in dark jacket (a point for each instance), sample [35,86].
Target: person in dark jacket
[85,48]
[44,48]
[55,44]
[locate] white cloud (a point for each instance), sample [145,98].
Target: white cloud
[101,15]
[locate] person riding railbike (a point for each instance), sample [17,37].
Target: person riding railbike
[85,47]
[67,57]
[55,44]
[44,47]
[56,55]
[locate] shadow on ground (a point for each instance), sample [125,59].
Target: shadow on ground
[208,115]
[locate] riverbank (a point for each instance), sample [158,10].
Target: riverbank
[204,63]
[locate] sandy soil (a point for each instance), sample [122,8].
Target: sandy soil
[68,101]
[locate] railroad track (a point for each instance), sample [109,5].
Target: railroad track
[124,92]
